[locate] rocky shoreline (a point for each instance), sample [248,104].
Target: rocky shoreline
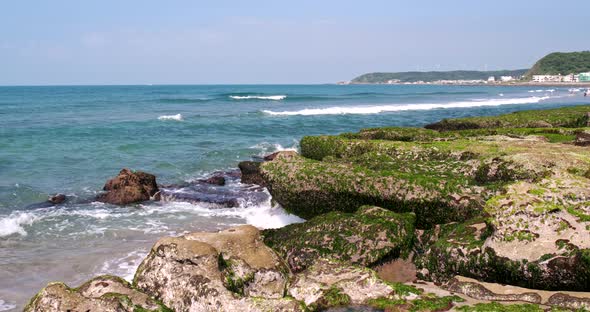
[472,214]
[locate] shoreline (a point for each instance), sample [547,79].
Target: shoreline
[504,84]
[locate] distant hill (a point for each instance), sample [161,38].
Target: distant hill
[436,75]
[561,63]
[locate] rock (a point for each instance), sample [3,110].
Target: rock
[129,187]
[582,138]
[103,293]
[218,180]
[251,173]
[57,199]
[327,280]
[286,154]
[309,188]
[365,238]
[569,302]
[225,197]
[479,292]
[460,249]
[231,270]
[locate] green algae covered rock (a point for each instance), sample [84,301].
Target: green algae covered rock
[329,283]
[366,237]
[571,117]
[103,293]
[309,188]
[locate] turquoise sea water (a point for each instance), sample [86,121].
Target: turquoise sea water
[71,139]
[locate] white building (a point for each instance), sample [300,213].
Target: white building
[570,78]
[491,79]
[506,78]
[547,78]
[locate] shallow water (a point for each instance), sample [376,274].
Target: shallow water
[72,139]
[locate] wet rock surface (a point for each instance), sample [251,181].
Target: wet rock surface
[129,187]
[226,196]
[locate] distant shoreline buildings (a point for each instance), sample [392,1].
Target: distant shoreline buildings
[541,79]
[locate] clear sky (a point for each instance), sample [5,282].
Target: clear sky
[303,41]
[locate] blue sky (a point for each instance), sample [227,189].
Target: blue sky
[199,42]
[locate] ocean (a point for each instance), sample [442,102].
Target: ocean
[71,139]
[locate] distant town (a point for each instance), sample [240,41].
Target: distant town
[572,78]
[558,68]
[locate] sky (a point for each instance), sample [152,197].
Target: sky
[276,42]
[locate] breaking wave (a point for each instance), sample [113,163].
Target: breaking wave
[177,117]
[338,110]
[258,97]
[15,222]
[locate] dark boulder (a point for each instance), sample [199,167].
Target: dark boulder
[214,180]
[57,199]
[251,173]
[129,187]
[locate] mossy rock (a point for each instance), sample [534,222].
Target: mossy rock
[367,237]
[571,117]
[460,249]
[309,188]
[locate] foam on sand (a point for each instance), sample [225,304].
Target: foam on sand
[258,97]
[177,117]
[338,110]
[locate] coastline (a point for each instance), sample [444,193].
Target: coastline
[502,84]
[335,175]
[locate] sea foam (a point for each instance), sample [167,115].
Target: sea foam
[258,97]
[5,306]
[338,110]
[177,117]
[15,222]
[124,266]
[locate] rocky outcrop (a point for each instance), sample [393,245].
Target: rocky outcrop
[129,187]
[353,173]
[227,271]
[479,292]
[330,283]
[103,293]
[365,238]
[251,172]
[218,180]
[570,117]
[57,199]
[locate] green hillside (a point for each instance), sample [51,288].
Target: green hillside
[435,75]
[562,63]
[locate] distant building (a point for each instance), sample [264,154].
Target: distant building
[393,81]
[491,79]
[547,78]
[584,77]
[506,78]
[570,78]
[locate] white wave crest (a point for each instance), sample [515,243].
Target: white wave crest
[267,148]
[177,117]
[258,97]
[337,110]
[5,306]
[13,223]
